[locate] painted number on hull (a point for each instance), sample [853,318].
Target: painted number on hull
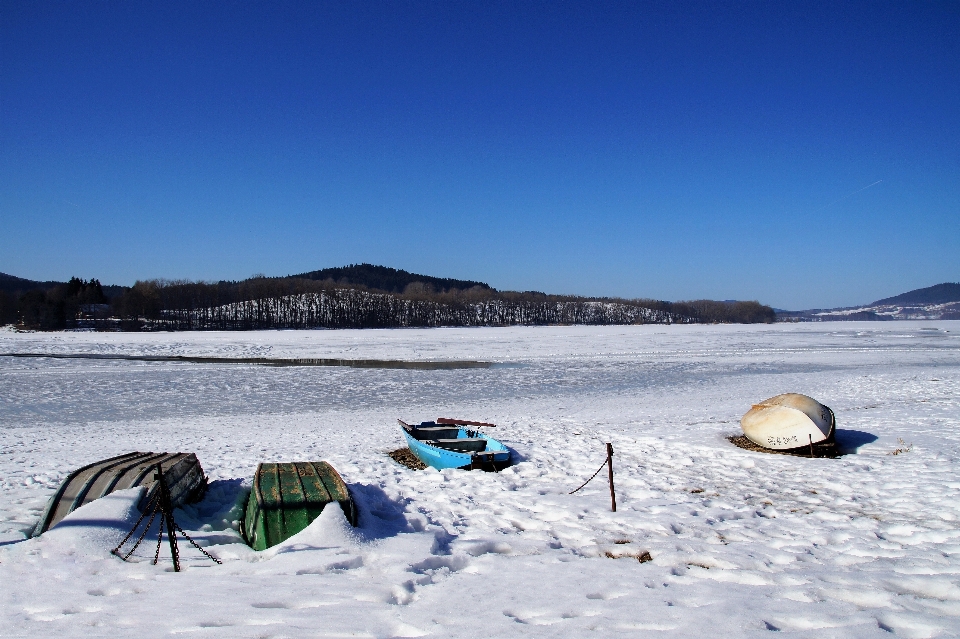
[783,441]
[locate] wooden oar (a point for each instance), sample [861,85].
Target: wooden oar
[462,422]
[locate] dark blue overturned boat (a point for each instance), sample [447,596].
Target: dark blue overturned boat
[455,443]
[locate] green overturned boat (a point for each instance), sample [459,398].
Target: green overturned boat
[286,497]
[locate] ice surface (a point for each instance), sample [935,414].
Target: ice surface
[742,543]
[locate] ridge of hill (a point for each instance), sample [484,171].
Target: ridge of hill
[938,302]
[354,296]
[938,294]
[14,284]
[389,280]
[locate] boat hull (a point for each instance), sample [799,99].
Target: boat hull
[789,422]
[285,498]
[493,457]
[182,472]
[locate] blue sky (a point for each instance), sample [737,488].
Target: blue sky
[802,154]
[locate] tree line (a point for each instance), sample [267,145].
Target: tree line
[293,302]
[57,307]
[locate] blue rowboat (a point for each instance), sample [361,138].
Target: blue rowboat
[455,443]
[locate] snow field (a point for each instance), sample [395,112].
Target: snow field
[742,543]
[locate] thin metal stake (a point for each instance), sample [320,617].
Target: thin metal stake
[613,493]
[811,445]
[168,516]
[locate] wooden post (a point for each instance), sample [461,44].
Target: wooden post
[811,444]
[613,494]
[167,514]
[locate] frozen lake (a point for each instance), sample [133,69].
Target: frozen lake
[742,543]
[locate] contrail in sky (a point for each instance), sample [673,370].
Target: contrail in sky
[849,194]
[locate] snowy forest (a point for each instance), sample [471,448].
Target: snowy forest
[360,296]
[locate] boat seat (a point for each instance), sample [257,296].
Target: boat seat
[435,432]
[463,444]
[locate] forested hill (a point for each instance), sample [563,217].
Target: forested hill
[386,279]
[356,296]
[938,294]
[12,284]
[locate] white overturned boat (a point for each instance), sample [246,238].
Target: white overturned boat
[790,422]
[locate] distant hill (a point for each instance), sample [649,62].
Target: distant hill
[17,285]
[13,284]
[354,296]
[938,294]
[941,301]
[383,278]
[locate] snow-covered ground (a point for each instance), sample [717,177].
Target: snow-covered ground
[742,543]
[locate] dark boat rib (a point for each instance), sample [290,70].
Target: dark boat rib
[91,483]
[46,520]
[148,462]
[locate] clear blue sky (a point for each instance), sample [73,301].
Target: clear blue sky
[803,154]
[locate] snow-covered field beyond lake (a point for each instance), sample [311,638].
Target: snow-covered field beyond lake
[742,543]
